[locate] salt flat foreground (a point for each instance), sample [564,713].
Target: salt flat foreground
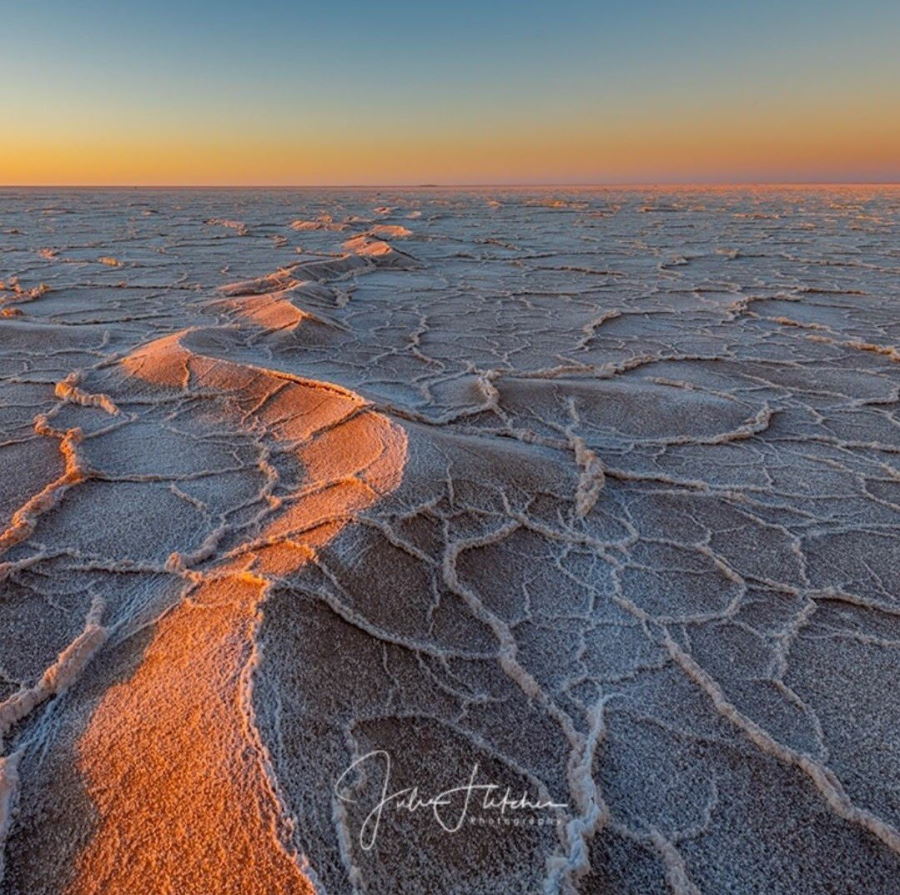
[592,495]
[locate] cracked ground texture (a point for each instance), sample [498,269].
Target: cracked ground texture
[597,490]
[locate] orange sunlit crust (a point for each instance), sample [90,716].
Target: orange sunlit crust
[171,757]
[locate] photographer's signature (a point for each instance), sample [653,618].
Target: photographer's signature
[449,808]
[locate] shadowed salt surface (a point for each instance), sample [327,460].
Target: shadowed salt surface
[596,490]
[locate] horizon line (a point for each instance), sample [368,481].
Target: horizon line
[476,185]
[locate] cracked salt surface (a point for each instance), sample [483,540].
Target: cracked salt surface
[595,489]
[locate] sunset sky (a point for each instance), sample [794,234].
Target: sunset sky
[496,91]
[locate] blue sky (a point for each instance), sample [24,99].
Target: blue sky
[416,80]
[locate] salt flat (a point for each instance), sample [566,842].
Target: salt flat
[594,491]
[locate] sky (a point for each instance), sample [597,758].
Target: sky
[196,92]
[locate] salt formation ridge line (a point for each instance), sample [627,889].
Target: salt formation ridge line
[167,363]
[311,416]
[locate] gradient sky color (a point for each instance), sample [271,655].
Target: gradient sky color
[290,93]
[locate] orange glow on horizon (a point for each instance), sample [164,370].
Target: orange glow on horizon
[774,144]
